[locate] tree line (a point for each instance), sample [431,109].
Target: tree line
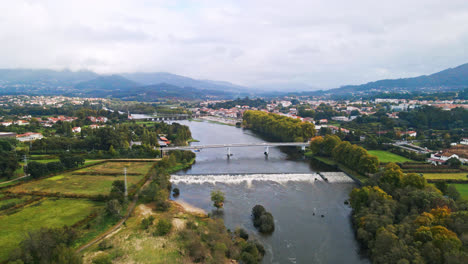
[114,141]
[277,127]
[399,218]
[353,156]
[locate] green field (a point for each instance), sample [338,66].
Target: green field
[13,200]
[385,156]
[45,213]
[462,189]
[72,183]
[446,176]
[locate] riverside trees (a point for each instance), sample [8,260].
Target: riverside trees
[399,218]
[353,156]
[278,127]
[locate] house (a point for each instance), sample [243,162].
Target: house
[7,123]
[340,118]
[323,121]
[464,141]
[7,134]
[409,133]
[135,143]
[441,157]
[76,129]
[30,136]
[22,122]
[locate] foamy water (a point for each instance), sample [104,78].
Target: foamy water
[339,177]
[245,178]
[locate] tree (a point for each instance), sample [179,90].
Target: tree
[36,169]
[454,163]
[442,186]
[452,192]
[163,227]
[48,245]
[118,191]
[70,161]
[262,219]
[8,164]
[217,197]
[113,208]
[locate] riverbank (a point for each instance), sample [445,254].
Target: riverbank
[220,120]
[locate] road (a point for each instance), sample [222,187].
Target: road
[235,145]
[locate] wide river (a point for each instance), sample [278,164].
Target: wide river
[289,188]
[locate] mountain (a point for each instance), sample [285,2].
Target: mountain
[107,82]
[42,82]
[182,81]
[446,80]
[156,92]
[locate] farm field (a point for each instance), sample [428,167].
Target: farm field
[16,200]
[45,213]
[93,180]
[446,176]
[462,189]
[385,156]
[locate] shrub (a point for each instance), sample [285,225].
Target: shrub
[217,197]
[146,222]
[262,219]
[105,244]
[163,227]
[102,258]
[242,233]
[267,223]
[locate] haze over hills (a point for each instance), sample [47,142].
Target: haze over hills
[166,85]
[447,80]
[182,81]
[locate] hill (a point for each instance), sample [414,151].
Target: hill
[182,81]
[109,82]
[168,91]
[446,80]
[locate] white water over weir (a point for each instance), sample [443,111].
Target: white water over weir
[259,177]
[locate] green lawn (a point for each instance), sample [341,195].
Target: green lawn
[72,183]
[385,156]
[45,213]
[462,189]
[446,176]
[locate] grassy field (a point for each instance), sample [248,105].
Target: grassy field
[446,176]
[71,183]
[385,156]
[462,189]
[45,213]
[13,200]
[132,244]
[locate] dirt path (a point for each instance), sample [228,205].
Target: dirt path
[22,177]
[119,224]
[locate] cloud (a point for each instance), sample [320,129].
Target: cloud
[319,43]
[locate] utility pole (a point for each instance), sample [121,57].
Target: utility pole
[25,165]
[125,173]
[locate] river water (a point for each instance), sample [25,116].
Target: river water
[289,188]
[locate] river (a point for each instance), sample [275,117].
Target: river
[288,188]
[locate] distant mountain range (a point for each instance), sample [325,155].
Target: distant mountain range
[131,86]
[161,85]
[451,79]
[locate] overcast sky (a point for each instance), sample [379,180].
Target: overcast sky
[324,43]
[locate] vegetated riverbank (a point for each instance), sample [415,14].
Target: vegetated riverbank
[162,231]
